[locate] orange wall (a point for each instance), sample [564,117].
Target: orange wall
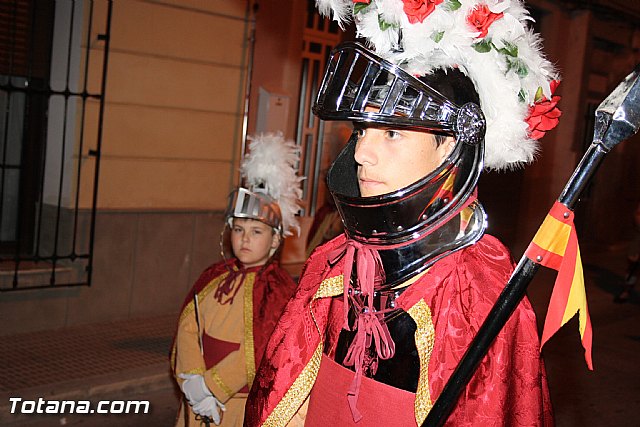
[174,104]
[175,98]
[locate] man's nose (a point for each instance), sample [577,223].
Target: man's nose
[365,153]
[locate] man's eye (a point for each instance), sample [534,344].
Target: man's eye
[393,134]
[237,230]
[359,132]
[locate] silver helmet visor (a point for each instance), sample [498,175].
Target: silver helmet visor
[360,86]
[253,205]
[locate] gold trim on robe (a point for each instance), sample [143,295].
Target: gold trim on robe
[297,393]
[329,288]
[218,380]
[301,387]
[424,338]
[249,356]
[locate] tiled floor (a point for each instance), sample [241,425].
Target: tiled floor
[39,359]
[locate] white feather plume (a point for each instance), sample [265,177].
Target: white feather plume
[341,10]
[271,167]
[445,39]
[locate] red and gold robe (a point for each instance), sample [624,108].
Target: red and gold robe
[234,329]
[448,304]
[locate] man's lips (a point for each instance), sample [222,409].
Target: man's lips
[368,181]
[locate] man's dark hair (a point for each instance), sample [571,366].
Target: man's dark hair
[455,86]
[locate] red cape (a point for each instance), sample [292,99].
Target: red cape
[509,387]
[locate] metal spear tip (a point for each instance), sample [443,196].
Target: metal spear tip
[618,116]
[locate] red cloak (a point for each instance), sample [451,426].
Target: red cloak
[449,303]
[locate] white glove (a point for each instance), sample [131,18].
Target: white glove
[194,388]
[209,407]
[202,401]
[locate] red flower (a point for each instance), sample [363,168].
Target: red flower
[362,1]
[544,114]
[481,19]
[418,10]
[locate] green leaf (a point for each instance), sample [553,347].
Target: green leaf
[359,7]
[539,94]
[453,5]
[384,25]
[522,96]
[482,46]
[509,49]
[522,70]
[437,36]
[518,67]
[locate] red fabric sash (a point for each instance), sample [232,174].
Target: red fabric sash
[381,404]
[226,287]
[369,329]
[215,350]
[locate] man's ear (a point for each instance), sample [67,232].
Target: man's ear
[446,148]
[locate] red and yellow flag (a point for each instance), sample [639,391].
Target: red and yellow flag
[555,245]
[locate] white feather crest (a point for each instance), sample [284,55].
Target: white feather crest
[507,75]
[341,10]
[271,167]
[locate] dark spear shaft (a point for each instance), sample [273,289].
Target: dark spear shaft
[611,128]
[510,297]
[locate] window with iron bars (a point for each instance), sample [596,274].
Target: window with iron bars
[50,114]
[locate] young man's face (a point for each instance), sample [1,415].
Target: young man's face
[252,241]
[390,159]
